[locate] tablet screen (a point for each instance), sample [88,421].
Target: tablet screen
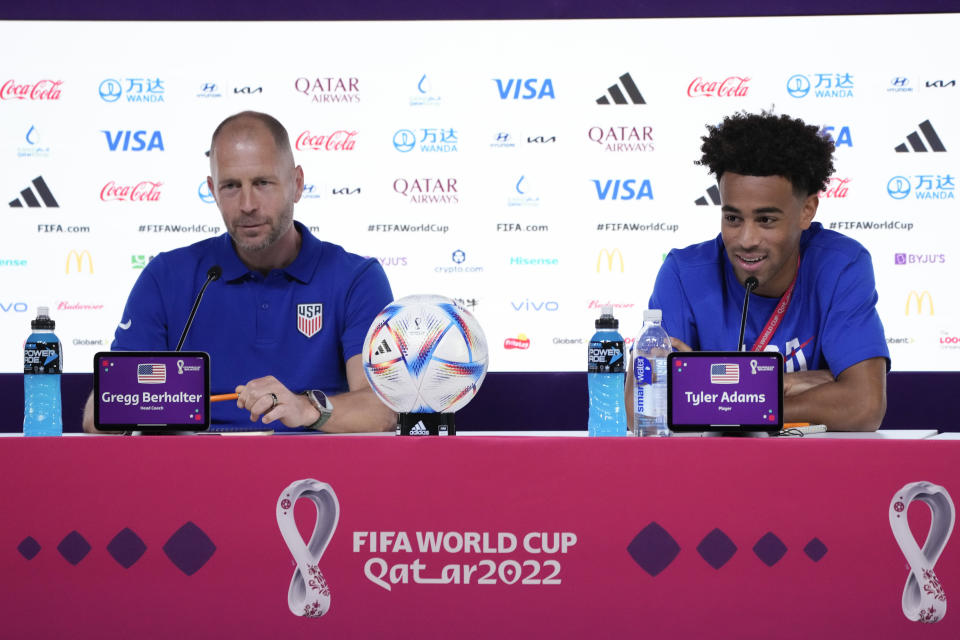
[152,390]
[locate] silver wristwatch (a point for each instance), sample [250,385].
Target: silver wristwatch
[321,403]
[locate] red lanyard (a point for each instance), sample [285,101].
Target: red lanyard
[764,339]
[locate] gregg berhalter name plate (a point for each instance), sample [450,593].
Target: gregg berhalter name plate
[725,391]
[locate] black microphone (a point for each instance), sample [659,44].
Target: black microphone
[213,273]
[750,284]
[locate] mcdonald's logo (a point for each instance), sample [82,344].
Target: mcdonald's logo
[919,298]
[610,255]
[78,258]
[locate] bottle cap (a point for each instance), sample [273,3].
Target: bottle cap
[43,320]
[653,315]
[606,319]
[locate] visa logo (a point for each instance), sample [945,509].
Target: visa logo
[529,87]
[133,140]
[842,138]
[623,190]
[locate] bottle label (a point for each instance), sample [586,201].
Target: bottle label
[41,357]
[642,370]
[605,356]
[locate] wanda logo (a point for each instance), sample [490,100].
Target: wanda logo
[40,90]
[731,87]
[341,140]
[145,191]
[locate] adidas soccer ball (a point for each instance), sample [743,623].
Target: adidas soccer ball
[425,354]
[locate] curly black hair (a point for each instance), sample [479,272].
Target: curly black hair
[765,144]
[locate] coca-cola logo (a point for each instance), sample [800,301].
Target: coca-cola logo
[836,188]
[341,140]
[145,191]
[40,90]
[731,87]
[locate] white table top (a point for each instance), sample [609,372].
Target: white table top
[886,434]
[950,435]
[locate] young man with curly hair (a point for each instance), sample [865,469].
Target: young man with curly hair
[816,298]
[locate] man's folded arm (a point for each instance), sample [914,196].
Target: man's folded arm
[855,401]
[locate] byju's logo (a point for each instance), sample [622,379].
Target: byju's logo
[917,298]
[127,140]
[915,258]
[836,188]
[33,149]
[623,189]
[731,87]
[823,85]
[203,192]
[137,89]
[39,90]
[624,138]
[925,187]
[428,190]
[899,84]
[425,95]
[916,143]
[29,198]
[615,92]
[430,140]
[341,140]
[525,88]
[713,193]
[524,194]
[843,137]
[329,89]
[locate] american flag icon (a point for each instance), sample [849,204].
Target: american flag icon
[151,373]
[724,373]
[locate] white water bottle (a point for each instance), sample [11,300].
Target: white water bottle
[650,377]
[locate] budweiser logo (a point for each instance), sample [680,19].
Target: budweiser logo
[337,141]
[732,87]
[146,191]
[836,188]
[41,90]
[78,306]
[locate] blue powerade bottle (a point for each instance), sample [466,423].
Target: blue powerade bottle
[41,378]
[605,378]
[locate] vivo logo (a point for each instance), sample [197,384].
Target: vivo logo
[15,307]
[623,190]
[122,141]
[533,305]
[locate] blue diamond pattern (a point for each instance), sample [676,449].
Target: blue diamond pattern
[769,549]
[653,549]
[815,549]
[74,548]
[126,548]
[28,548]
[189,548]
[716,548]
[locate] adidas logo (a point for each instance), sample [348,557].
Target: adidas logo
[916,143]
[382,348]
[617,94]
[714,194]
[419,430]
[30,198]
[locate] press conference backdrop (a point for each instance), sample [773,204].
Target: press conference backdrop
[532,170]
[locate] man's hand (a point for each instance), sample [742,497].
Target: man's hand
[799,381]
[292,409]
[680,345]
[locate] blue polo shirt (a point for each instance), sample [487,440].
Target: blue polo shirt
[248,322]
[831,323]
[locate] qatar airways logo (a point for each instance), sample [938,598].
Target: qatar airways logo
[836,188]
[328,89]
[341,140]
[731,87]
[145,191]
[40,90]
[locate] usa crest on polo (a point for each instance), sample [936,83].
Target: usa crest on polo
[425,354]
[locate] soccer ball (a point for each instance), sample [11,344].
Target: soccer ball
[425,354]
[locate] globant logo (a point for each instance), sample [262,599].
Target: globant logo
[730,87]
[147,90]
[431,140]
[843,138]
[899,84]
[341,140]
[823,85]
[926,187]
[836,188]
[914,258]
[623,189]
[525,89]
[121,140]
[39,90]
[524,197]
[144,191]
[425,96]
[203,192]
[329,89]
[33,149]
[520,342]
[622,138]
[428,190]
